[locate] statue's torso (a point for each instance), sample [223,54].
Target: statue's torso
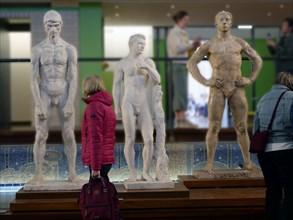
[53,69]
[135,82]
[225,58]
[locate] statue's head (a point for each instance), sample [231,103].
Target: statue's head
[52,16]
[137,43]
[52,23]
[223,21]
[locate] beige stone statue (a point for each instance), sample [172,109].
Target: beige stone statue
[136,84]
[224,53]
[54,84]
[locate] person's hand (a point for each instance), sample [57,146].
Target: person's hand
[196,43]
[271,43]
[68,110]
[96,174]
[243,81]
[41,112]
[141,64]
[118,114]
[214,82]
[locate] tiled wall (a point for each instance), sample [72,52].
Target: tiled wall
[17,166]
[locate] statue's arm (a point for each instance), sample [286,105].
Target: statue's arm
[152,71]
[195,59]
[254,57]
[71,76]
[35,83]
[117,86]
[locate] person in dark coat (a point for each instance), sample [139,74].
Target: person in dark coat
[283,50]
[98,129]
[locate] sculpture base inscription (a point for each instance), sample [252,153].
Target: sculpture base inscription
[55,185]
[148,185]
[224,174]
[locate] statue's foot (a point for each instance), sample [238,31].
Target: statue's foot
[73,178]
[209,167]
[145,176]
[131,179]
[250,166]
[36,180]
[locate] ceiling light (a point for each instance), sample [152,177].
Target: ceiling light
[244,26]
[116,6]
[269,14]
[172,6]
[281,6]
[117,14]
[168,14]
[227,6]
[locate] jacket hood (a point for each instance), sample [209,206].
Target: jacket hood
[102,96]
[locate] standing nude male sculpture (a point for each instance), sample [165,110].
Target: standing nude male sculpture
[54,84]
[224,53]
[134,73]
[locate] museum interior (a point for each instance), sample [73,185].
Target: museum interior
[100,31]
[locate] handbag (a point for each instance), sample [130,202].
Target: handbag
[260,138]
[99,200]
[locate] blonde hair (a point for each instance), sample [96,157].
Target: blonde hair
[285,79]
[92,85]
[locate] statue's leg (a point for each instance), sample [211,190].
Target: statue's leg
[70,148]
[215,113]
[239,109]
[147,130]
[129,120]
[40,146]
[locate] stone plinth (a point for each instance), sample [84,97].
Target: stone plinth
[148,185]
[55,185]
[227,174]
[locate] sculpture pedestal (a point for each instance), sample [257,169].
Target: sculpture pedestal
[223,174]
[55,185]
[148,185]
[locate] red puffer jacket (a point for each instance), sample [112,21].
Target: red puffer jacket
[98,131]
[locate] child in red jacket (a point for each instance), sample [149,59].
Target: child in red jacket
[98,129]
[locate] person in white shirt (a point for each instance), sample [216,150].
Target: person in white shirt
[178,46]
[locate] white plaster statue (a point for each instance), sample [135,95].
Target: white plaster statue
[136,82]
[224,53]
[54,84]
[162,171]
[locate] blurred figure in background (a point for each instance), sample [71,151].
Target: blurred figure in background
[178,46]
[277,161]
[283,50]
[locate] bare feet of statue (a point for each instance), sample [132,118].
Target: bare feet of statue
[145,176]
[250,166]
[131,179]
[208,167]
[37,180]
[73,178]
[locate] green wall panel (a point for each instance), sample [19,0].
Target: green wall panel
[161,66]
[91,40]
